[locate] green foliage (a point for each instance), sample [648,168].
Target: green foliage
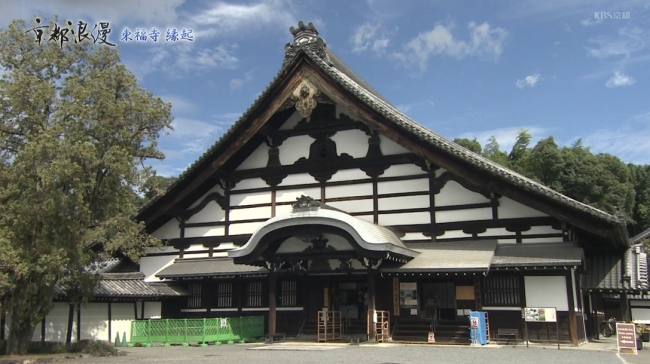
[473,145]
[99,349]
[75,130]
[156,186]
[601,180]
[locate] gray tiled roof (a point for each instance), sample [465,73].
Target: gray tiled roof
[369,236]
[639,237]
[537,255]
[463,256]
[344,76]
[208,267]
[603,272]
[128,285]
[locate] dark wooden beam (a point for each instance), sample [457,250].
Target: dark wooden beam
[272,302]
[573,324]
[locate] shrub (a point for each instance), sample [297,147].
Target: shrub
[100,348]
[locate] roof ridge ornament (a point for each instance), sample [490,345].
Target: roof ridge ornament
[305,203]
[305,37]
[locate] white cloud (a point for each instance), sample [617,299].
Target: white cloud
[229,19]
[529,81]
[369,37]
[619,79]
[164,13]
[179,104]
[629,141]
[590,22]
[237,83]
[506,137]
[626,42]
[177,60]
[484,42]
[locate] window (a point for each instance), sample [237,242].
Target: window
[502,291]
[254,298]
[194,300]
[224,295]
[288,296]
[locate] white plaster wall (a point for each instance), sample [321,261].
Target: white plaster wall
[150,265]
[389,147]
[406,202]
[210,213]
[507,241]
[121,316]
[298,179]
[170,230]
[193,232]
[291,121]
[361,189]
[194,248]
[56,323]
[403,186]
[220,254]
[283,209]
[512,209]
[196,255]
[250,213]
[546,291]
[405,218]
[294,245]
[353,206]
[414,236]
[348,175]
[534,230]
[257,159]
[451,234]
[292,195]
[295,148]
[36,336]
[94,321]
[399,170]
[250,183]
[496,232]
[152,310]
[455,194]
[352,142]
[369,218]
[641,315]
[216,188]
[541,240]
[464,215]
[245,228]
[250,198]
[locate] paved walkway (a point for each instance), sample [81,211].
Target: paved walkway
[597,352]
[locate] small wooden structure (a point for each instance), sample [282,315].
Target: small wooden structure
[330,326]
[381,322]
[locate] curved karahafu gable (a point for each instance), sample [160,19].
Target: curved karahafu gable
[308,216]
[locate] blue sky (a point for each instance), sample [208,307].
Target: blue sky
[461,68]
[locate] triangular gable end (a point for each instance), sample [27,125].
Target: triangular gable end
[312,75]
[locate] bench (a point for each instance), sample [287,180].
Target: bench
[514,333]
[277,337]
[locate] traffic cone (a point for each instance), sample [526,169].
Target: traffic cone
[117,339]
[124,344]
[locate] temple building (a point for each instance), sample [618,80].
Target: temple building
[324,197]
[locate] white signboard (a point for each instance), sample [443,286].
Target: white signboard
[540,314]
[408,293]
[224,322]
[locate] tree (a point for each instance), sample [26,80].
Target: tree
[156,186]
[474,145]
[75,130]
[493,152]
[545,164]
[519,152]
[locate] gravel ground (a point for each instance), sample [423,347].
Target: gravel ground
[365,354]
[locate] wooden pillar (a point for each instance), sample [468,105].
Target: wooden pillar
[3,323]
[272,302]
[110,320]
[43,330]
[135,310]
[372,333]
[142,311]
[573,325]
[241,286]
[625,307]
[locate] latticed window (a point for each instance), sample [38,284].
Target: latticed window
[288,297]
[224,295]
[502,291]
[194,299]
[254,298]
